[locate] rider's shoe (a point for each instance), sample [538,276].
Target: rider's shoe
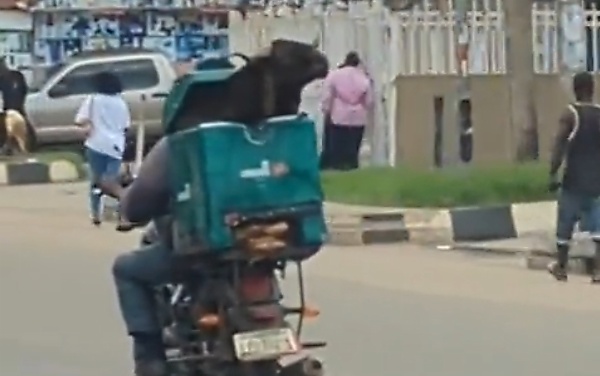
[149,354]
[151,368]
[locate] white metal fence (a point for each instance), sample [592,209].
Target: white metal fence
[423,41]
[362,29]
[427,38]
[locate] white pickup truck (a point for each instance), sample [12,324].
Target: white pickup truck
[52,107]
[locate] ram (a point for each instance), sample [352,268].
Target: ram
[266,85]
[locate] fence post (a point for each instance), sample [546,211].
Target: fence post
[518,17]
[571,34]
[464,30]
[394,69]
[140,135]
[377,49]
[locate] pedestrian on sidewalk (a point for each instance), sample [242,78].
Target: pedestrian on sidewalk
[346,102]
[577,146]
[104,117]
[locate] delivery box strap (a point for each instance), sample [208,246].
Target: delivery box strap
[256,141]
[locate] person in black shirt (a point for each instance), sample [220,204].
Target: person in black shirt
[577,146]
[13,88]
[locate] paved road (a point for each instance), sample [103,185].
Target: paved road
[387,311]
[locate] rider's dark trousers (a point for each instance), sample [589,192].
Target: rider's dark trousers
[136,273]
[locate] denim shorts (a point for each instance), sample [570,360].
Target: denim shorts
[573,208]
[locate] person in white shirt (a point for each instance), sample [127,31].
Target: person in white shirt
[105,118]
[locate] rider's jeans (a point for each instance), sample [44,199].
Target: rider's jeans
[136,273]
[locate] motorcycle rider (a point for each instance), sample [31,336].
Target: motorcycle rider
[136,273]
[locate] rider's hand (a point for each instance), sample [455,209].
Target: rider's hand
[553,184]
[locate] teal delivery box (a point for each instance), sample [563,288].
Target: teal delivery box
[222,169]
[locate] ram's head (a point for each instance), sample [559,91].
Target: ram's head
[293,65]
[297,63]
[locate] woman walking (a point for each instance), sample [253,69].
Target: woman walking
[105,118]
[346,102]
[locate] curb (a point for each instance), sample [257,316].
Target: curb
[447,226]
[535,259]
[500,251]
[580,265]
[32,171]
[367,229]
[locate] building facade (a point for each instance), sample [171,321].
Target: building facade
[16,36]
[182,29]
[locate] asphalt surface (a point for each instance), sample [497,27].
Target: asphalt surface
[386,311]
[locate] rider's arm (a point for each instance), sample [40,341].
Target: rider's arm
[148,196]
[561,141]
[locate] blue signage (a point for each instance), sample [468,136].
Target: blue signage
[182,33]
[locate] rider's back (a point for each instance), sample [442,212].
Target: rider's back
[148,196]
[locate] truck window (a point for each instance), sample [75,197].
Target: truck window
[76,82]
[136,74]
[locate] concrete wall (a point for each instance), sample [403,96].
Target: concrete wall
[494,140]
[15,37]
[416,98]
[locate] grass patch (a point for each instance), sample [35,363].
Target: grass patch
[401,187]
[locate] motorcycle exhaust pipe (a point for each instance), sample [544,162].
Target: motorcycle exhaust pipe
[312,367]
[308,366]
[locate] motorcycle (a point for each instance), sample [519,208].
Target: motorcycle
[224,315]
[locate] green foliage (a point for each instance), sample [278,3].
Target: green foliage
[401,187]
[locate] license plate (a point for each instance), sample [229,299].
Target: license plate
[265,344]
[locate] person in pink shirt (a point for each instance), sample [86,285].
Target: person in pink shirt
[346,102]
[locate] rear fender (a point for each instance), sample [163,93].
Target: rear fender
[260,302]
